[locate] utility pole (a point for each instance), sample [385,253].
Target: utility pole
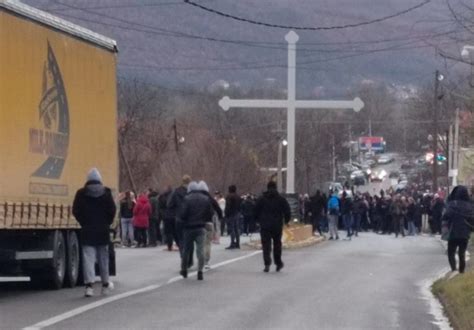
[456,149]
[280,165]
[350,144]
[279,131]
[435,133]
[333,158]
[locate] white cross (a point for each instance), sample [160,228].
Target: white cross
[291,104]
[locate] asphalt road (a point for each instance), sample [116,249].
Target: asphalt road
[371,282]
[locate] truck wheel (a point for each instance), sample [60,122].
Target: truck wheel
[73,259]
[56,272]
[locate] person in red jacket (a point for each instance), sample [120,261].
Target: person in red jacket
[141,219]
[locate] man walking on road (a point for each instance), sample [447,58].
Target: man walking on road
[94,208]
[333,216]
[195,213]
[317,208]
[174,204]
[168,217]
[270,211]
[154,232]
[232,214]
[346,211]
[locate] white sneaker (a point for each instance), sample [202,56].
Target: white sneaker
[107,289]
[452,274]
[89,291]
[207,266]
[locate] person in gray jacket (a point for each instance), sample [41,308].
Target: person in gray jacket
[195,212]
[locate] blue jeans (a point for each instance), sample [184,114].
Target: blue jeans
[127,231]
[233,225]
[347,219]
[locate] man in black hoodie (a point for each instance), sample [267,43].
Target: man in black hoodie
[94,208]
[270,211]
[459,218]
[232,215]
[317,206]
[174,204]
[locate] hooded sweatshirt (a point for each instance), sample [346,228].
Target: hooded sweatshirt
[94,208]
[196,209]
[459,214]
[272,210]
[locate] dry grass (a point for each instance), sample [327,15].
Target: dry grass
[457,297]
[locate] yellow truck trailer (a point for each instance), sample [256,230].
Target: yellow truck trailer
[57,120]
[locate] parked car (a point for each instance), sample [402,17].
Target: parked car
[371,163]
[358,178]
[349,168]
[385,159]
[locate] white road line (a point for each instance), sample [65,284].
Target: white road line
[14,279]
[108,300]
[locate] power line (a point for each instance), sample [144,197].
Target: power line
[248,43]
[306,28]
[275,65]
[119,6]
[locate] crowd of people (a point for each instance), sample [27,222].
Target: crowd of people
[407,213]
[189,219]
[153,219]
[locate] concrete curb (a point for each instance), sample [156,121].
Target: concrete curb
[290,245]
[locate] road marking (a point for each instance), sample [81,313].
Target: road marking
[108,300]
[14,279]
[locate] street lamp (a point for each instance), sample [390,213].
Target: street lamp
[438,78]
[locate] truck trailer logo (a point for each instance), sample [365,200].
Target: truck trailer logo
[51,138]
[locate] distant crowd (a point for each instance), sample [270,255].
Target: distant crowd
[386,213]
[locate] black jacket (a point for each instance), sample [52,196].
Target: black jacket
[437,209]
[176,200]
[232,205]
[317,205]
[196,210]
[271,210]
[411,212]
[155,205]
[459,216]
[165,212]
[346,205]
[125,211]
[94,208]
[248,208]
